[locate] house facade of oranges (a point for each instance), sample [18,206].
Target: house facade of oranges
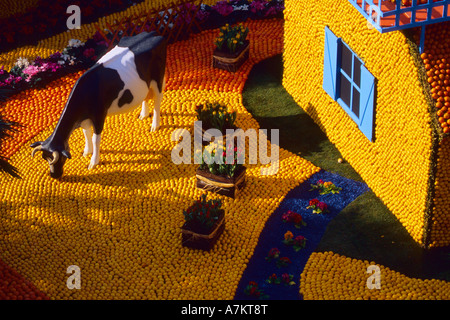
[374,75]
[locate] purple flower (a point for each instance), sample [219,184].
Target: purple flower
[256,5]
[103,43]
[2,70]
[38,61]
[271,11]
[55,56]
[98,37]
[202,15]
[12,80]
[223,8]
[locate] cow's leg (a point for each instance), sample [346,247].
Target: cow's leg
[87,131]
[96,151]
[156,117]
[144,111]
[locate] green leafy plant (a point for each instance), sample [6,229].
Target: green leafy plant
[325,187]
[219,160]
[203,214]
[317,206]
[273,254]
[285,279]
[231,38]
[283,262]
[298,243]
[253,290]
[215,115]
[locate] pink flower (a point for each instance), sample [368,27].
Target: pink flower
[322,206]
[89,53]
[31,70]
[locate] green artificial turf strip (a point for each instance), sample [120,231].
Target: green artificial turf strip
[365,229]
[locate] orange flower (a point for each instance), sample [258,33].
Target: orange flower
[288,236]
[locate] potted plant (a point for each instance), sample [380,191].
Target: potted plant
[214,115]
[204,223]
[232,47]
[221,169]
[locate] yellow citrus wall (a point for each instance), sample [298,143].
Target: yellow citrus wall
[440,222]
[397,165]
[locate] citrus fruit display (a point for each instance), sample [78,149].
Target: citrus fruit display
[119,223]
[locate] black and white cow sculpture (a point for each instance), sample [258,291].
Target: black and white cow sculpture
[125,77]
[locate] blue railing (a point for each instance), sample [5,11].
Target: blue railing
[387,16]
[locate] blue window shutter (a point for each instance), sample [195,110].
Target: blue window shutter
[367,103]
[330,63]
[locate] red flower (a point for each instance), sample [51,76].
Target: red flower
[297,218]
[313,202]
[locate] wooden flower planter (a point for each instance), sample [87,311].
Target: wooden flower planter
[231,61]
[219,184]
[203,241]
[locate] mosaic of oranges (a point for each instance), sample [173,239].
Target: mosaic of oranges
[120,223]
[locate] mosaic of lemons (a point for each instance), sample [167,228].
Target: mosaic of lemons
[330,276]
[120,223]
[396,166]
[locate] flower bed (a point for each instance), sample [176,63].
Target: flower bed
[81,55]
[284,249]
[47,18]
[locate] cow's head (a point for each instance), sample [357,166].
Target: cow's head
[56,158]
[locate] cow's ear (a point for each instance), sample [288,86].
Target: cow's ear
[35,144]
[66,154]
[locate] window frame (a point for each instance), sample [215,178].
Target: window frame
[350,78]
[332,65]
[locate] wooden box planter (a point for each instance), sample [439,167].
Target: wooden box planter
[202,241]
[231,61]
[219,184]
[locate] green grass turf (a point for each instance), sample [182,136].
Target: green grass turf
[365,229]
